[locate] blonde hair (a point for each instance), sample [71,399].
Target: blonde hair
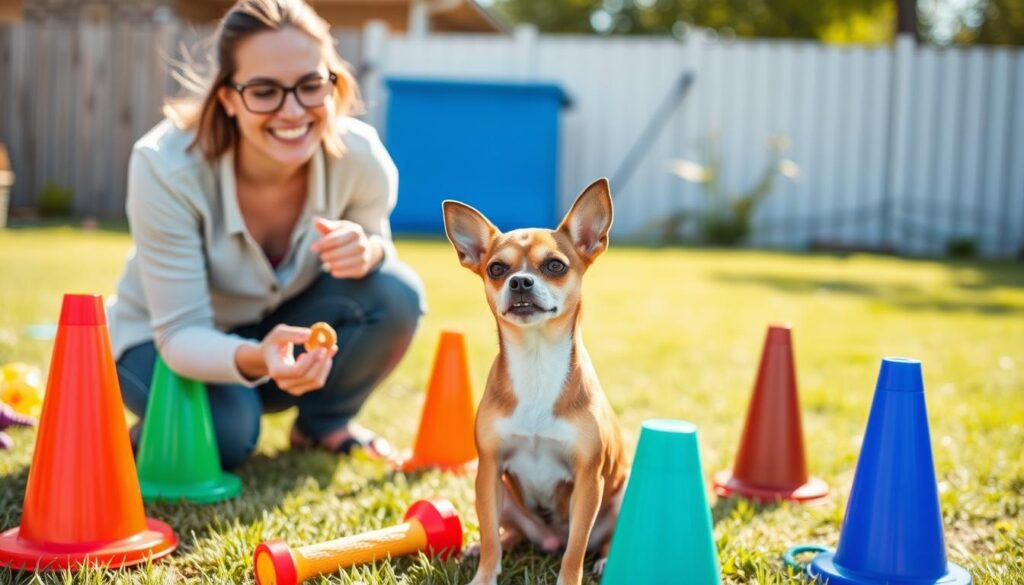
[202,112]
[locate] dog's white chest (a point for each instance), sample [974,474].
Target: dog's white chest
[537,445]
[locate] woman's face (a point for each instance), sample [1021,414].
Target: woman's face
[288,57]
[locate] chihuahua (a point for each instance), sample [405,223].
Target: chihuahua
[552,464]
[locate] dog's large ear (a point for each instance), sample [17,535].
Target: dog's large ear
[469,231]
[588,222]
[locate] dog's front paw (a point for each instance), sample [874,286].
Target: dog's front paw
[599,566]
[484,579]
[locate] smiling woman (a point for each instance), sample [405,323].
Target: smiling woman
[258,208]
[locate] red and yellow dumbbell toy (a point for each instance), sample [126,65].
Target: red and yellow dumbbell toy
[431,526]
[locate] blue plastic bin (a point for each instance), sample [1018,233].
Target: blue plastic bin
[489,144]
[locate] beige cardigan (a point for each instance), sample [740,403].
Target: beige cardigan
[196,272]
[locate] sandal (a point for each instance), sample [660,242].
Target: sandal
[374,445]
[134,435]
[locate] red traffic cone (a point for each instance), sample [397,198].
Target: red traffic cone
[770,464]
[82,501]
[445,437]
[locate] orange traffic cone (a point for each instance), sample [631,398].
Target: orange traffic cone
[82,501]
[445,438]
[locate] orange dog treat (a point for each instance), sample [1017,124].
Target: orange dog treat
[321,335]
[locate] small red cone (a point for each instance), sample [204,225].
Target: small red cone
[82,501]
[770,464]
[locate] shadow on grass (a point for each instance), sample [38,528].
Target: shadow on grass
[267,481]
[1004,274]
[902,296]
[739,508]
[113,225]
[12,495]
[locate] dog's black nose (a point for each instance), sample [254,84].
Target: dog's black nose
[520,283]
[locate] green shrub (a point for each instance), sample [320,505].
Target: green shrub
[961,247]
[726,219]
[55,200]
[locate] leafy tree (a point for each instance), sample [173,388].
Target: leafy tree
[870,21]
[745,18]
[993,22]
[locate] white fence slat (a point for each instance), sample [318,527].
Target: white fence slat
[915,218]
[1014,197]
[853,134]
[667,65]
[758,101]
[783,201]
[622,129]
[969,204]
[806,145]
[738,129]
[827,120]
[949,95]
[573,149]
[900,151]
[996,132]
[876,146]
[656,74]
[690,126]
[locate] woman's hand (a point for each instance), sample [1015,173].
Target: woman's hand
[345,250]
[274,357]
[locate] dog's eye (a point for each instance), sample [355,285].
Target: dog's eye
[496,269]
[555,266]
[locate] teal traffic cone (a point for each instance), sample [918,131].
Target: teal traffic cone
[178,457]
[664,530]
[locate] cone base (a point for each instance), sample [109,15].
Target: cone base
[815,490]
[409,464]
[221,488]
[824,568]
[156,542]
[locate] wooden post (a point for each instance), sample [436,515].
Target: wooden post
[6,180]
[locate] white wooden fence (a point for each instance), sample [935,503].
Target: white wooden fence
[903,147]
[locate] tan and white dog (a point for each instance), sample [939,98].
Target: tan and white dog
[552,463]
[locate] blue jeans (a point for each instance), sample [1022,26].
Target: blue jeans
[375,318]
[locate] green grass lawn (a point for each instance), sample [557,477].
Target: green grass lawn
[673,333]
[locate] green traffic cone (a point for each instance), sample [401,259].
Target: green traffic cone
[663,534]
[178,457]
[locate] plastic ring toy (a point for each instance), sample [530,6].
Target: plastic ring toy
[789,557]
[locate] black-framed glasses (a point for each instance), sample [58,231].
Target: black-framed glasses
[267,97]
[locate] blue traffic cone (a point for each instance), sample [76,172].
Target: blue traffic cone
[664,531]
[892,531]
